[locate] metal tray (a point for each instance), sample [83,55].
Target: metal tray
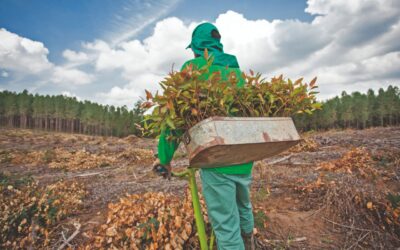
[226,141]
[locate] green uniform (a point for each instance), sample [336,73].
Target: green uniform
[167,148]
[225,189]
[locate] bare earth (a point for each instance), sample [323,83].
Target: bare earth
[293,196]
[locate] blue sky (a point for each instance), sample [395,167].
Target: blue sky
[66,24]
[109,51]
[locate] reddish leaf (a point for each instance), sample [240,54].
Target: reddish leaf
[148,95]
[194,112]
[298,81]
[313,81]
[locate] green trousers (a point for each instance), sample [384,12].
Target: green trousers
[229,207]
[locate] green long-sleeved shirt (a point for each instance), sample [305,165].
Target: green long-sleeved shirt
[166,149]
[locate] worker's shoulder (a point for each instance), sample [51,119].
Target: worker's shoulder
[197,62]
[221,61]
[226,60]
[227,56]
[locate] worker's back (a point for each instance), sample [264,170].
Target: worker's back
[225,70]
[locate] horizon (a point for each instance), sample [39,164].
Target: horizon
[108,53]
[143,99]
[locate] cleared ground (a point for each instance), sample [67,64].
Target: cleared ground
[338,189]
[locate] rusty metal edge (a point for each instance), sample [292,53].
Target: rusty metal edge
[297,142]
[214,143]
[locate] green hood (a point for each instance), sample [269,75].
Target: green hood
[202,39]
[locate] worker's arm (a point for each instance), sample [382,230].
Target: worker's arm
[166,148]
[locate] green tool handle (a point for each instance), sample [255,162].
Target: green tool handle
[201,231]
[184,173]
[190,173]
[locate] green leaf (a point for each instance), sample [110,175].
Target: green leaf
[170,123]
[316,105]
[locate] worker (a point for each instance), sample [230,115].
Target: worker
[225,189]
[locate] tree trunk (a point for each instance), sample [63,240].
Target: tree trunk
[72,125]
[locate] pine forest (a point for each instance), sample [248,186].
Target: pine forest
[67,114]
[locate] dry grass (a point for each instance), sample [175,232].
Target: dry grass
[363,215]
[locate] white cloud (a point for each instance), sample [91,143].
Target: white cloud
[119,96]
[21,54]
[71,76]
[156,53]
[264,46]
[69,94]
[73,56]
[349,45]
[28,59]
[130,93]
[142,63]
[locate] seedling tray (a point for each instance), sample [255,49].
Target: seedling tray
[225,141]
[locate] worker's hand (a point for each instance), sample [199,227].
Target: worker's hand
[163,170]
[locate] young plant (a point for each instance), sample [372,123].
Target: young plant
[188,98]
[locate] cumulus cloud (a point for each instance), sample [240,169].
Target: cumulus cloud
[28,59]
[130,93]
[349,45]
[69,94]
[142,63]
[73,56]
[22,55]
[264,46]
[70,76]
[119,96]
[154,54]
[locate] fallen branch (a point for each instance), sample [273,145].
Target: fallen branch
[89,174]
[66,242]
[279,160]
[300,239]
[316,212]
[301,163]
[65,239]
[349,227]
[359,240]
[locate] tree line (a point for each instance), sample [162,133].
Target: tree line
[355,110]
[66,114]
